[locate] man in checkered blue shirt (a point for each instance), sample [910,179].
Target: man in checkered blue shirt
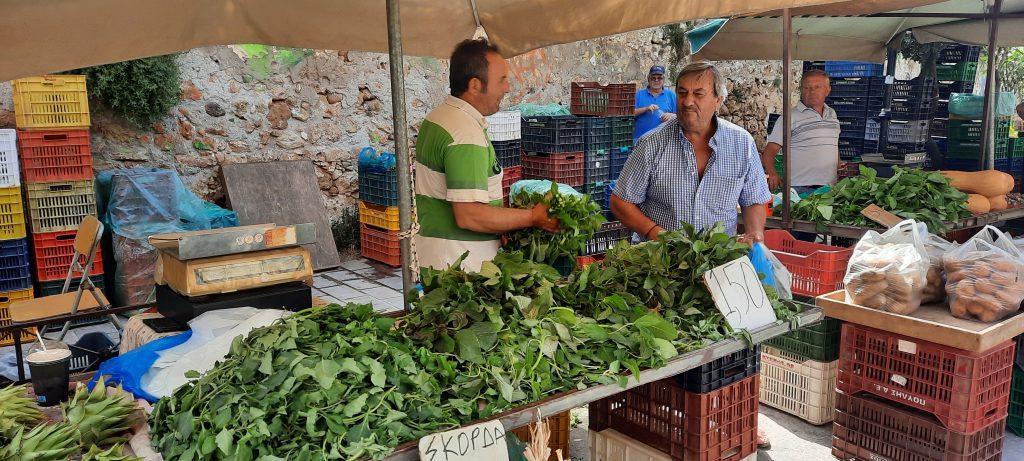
[695,168]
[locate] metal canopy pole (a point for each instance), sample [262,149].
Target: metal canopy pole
[787,29]
[401,143]
[987,140]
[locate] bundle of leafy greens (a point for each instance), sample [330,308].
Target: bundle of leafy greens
[578,217]
[911,193]
[325,383]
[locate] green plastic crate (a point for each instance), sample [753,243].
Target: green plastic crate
[970,150]
[1016,147]
[819,342]
[1015,418]
[962,72]
[970,130]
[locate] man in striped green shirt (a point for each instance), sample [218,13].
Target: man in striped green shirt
[458,179]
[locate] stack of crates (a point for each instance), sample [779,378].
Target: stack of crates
[903,398]
[858,102]
[378,215]
[909,109]
[505,132]
[597,148]
[963,145]
[705,414]
[799,368]
[622,143]
[553,149]
[15,272]
[1015,412]
[52,115]
[956,68]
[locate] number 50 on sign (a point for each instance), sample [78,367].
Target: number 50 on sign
[737,291]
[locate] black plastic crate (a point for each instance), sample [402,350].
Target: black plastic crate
[509,153]
[918,88]
[960,53]
[597,133]
[618,160]
[722,372]
[1018,359]
[814,65]
[610,234]
[903,148]
[378,188]
[910,110]
[850,87]
[939,126]
[856,107]
[772,118]
[552,134]
[15,269]
[852,127]
[941,108]
[597,166]
[913,132]
[622,130]
[597,191]
[947,88]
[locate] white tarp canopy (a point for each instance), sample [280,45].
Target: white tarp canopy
[55,35]
[854,38]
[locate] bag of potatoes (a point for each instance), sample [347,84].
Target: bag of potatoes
[935,281]
[888,271]
[985,277]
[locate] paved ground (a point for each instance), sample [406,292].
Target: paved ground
[360,281]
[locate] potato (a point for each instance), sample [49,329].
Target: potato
[958,308]
[966,290]
[989,316]
[876,302]
[982,270]
[986,287]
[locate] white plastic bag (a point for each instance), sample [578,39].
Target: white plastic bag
[985,277]
[935,281]
[888,271]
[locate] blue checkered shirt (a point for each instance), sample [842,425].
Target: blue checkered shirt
[660,177]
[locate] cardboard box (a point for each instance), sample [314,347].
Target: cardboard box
[226,274]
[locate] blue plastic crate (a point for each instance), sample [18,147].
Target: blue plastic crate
[378,188]
[15,265]
[618,160]
[852,69]
[597,133]
[596,166]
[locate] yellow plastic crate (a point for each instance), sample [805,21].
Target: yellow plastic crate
[49,102]
[6,298]
[12,214]
[380,216]
[60,205]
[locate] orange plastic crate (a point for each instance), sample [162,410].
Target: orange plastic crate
[817,268]
[6,299]
[55,155]
[380,245]
[53,253]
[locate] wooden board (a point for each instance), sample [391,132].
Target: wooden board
[285,193]
[932,323]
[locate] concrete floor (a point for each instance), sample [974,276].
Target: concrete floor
[792,439]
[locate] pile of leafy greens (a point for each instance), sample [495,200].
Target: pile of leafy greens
[342,383]
[578,218]
[910,193]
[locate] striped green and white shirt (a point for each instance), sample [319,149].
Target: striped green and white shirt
[455,162]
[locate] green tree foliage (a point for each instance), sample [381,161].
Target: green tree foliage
[142,90]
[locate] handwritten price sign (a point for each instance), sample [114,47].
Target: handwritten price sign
[476,442]
[738,293]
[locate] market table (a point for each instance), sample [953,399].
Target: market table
[571,399]
[841,230]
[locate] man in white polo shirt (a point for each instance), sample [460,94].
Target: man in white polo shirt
[815,139]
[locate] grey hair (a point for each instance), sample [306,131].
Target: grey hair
[703,66]
[814,73]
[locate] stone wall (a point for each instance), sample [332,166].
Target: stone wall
[253,103]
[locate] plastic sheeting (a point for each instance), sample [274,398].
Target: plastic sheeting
[973,105]
[539,110]
[139,202]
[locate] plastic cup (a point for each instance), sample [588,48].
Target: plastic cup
[51,370]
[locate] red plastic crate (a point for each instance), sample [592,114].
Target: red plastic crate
[869,428]
[53,252]
[965,390]
[55,155]
[720,425]
[848,169]
[508,177]
[817,268]
[565,168]
[380,245]
[592,98]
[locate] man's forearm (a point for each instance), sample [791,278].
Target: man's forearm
[639,111]
[481,217]
[768,157]
[631,216]
[754,217]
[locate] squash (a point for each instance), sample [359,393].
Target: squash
[978,204]
[998,202]
[988,183]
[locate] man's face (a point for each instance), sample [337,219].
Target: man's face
[813,90]
[696,101]
[656,82]
[497,84]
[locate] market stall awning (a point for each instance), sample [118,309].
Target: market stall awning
[55,35]
[975,31]
[837,36]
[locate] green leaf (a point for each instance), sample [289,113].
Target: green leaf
[658,326]
[325,372]
[355,406]
[664,348]
[225,439]
[825,211]
[469,346]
